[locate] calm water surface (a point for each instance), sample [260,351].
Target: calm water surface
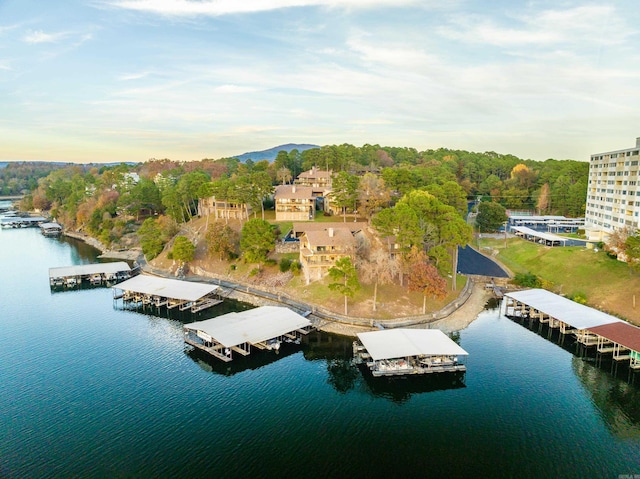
[87,390]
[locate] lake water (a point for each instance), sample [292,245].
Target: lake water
[89,390]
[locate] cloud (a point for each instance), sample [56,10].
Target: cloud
[39,36]
[583,24]
[225,7]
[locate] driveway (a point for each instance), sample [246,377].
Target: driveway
[472,262]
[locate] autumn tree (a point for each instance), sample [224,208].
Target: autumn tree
[424,277]
[345,278]
[380,268]
[373,194]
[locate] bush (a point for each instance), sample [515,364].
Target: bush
[295,267]
[270,262]
[527,280]
[170,255]
[285,265]
[579,297]
[254,272]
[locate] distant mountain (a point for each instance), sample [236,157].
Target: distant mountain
[271,153]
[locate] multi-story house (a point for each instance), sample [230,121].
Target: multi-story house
[223,209]
[613,194]
[320,249]
[294,203]
[318,180]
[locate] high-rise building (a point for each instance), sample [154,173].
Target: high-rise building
[613,195]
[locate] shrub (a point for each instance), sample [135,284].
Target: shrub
[285,265]
[254,272]
[528,280]
[579,297]
[295,267]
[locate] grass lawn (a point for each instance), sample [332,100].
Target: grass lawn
[606,282]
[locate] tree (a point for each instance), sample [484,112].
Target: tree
[183,249]
[373,194]
[221,241]
[491,216]
[380,268]
[345,191]
[544,199]
[424,277]
[149,234]
[345,278]
[632,251]
[257,239]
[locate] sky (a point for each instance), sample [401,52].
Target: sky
[130,80]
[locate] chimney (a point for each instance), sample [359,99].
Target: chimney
[330,231]
[293,189]
[638,142]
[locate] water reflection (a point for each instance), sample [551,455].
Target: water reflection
[256,360]
[612,386]
[400,389]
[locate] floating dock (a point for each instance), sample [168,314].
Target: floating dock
[401,352]
[71,276]
[265,327]
[171,293]
[591,328]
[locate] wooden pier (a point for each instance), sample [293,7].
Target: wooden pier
[264,328]
[402,352]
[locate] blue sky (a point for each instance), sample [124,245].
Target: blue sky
[129,80]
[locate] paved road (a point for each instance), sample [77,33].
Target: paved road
[472,262]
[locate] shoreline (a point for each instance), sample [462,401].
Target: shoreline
[454,316]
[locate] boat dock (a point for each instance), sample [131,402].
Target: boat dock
[590,327]
[266,328]
[51,229]
[146,290]
[95,274]
[401,352]
[21,221]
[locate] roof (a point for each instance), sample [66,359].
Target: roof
[331,237]
[86,269]
[400,343]
[622,333]
[251,326]
[45,226]
[167,288]
[574,314]
[315,173]
[318,226]
[294,192]
[539,234]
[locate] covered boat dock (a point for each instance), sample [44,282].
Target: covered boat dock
[172,293]
[51,229]
[559,313]
[548,239]
[590,327]
[95,274]
[21,221]
[400,352]
[265,327]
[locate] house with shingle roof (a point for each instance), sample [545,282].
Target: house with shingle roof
[320,249]
[294,203]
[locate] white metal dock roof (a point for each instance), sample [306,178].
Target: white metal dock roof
[539,234]
[574,314]
[166,288]
[84,269]
[252,326]
[400,343]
